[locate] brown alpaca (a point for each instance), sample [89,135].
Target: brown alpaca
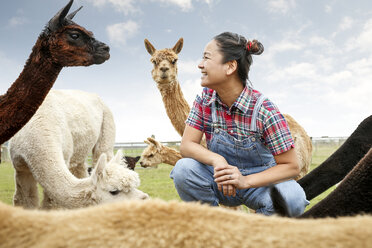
[62,43]
[165,76]
[156,153]
[131,161]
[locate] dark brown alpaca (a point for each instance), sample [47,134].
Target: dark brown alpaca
[61,43]
[131,161]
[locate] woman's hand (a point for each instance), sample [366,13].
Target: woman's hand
[229,175]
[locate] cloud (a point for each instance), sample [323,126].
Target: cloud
[364,40]
[123,6]
[281,6]
[131,6]
[188,67]
[16,21]
[119,33]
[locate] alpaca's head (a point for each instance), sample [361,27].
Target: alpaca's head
[164,61]
[65,43]
[152,156]
[113,181]
[131,161]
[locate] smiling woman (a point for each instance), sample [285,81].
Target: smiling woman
[249,143]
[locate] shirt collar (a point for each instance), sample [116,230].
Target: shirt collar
[241,103]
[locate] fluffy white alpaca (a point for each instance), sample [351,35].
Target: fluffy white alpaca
[58,138]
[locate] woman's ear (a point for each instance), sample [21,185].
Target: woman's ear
[232,66]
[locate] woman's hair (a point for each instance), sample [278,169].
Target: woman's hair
[236,47]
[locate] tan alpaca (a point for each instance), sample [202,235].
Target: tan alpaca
[156,223]
[164,74]
[156,153]
[303,145]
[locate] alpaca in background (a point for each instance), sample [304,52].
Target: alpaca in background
[155,153]
[69,125]
[62,43]
[131,161]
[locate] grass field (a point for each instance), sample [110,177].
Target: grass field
[155,182]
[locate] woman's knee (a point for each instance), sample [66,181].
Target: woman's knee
[294,197]
[182,168]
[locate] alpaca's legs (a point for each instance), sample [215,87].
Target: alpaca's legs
[26,193]
[106,140]
[79,171]
[47,203]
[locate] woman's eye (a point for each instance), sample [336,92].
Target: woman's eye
[114,192]
[74,36]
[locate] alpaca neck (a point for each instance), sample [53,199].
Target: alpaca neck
[175,104]
[61,185]
[170,155]
[27,93]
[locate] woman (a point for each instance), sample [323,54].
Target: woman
[249,143]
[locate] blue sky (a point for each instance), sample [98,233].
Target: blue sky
[317,64]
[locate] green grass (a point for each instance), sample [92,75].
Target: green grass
[155,182]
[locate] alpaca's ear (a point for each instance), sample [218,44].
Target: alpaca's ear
[137,158]
[118,157]
[100,166]
[178,47]
[71,15]
[156,143]
[147,142]
[57,21]
[149,47]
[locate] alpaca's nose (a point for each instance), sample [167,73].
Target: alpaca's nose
[164,69]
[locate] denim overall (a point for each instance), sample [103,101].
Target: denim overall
[194,181]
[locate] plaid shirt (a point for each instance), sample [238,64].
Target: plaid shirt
[270,123]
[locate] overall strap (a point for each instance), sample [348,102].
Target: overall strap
[214,115]
[256,109]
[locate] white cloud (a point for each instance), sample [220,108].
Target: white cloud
[281,6]
[130,6]
[364,40]
[188,67]
[120,32]
[185,5]
[346,23]
[328,8]
[123,6]
[16,21]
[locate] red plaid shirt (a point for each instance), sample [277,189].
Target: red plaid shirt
[270,123]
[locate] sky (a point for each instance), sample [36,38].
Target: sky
[316,67]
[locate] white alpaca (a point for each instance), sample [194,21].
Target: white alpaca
[58,138]
[156,223]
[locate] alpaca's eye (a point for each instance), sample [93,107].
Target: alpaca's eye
[115,192]
[174,61]
[154,62]
[74,36]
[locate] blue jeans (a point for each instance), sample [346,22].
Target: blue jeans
[194,182]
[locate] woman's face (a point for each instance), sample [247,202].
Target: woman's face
[212,69]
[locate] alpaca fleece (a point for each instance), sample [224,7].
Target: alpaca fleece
[156,223]
[341,162]
[49,55]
